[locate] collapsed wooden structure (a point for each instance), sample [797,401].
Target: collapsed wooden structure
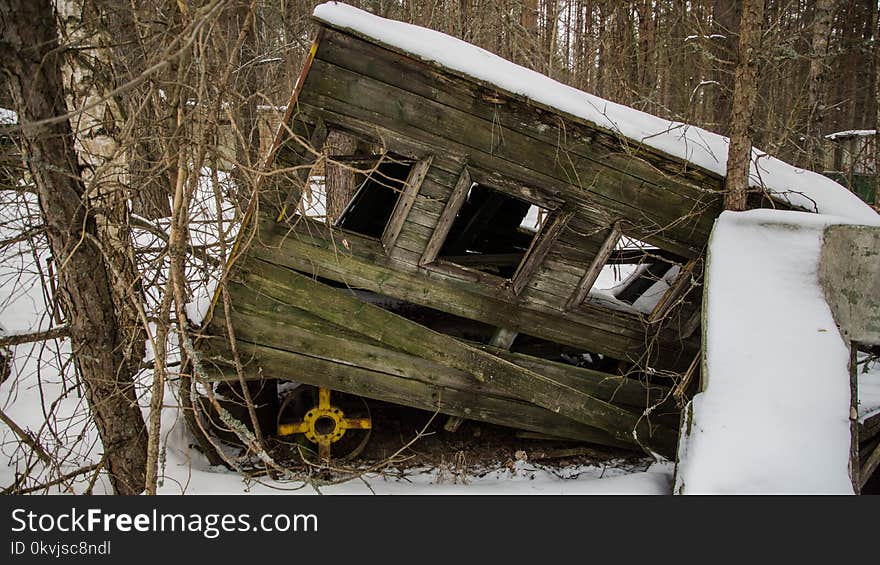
[462,275]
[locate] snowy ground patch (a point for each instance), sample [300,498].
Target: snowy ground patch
[523,478]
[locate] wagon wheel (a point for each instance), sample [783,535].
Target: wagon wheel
[345,422]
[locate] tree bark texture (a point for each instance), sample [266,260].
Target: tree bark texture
[823,11]
[745,90]
[32,61]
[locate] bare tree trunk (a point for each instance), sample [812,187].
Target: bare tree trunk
[647,46]
[339,181]
[97,131]
[823,10]
[745,91]
[32,61]
[726,19]
[877,115]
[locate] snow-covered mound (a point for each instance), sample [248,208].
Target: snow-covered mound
[702,148]
[774,416]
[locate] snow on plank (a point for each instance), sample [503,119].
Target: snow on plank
[774,414]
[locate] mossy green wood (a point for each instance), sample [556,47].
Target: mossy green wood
[392,330]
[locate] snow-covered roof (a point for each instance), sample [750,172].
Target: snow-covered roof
[851,133]
[702,148]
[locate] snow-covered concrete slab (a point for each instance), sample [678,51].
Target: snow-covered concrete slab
[775,412]
[849,270]
[702,148]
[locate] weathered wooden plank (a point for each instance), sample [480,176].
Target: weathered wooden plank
[342,92]
[417,230]
[453,205]
[869,428]
[395,331]
[681,285]
[538,250]
[477,135]
[592,272]
[405,202]
[281,334]
[266,321]
[616,389]
[260,360]
[363,265]
[502,338]
[546,283]
[511,110]
[410,143]
[869,466]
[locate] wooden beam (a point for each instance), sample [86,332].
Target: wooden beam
[261,361]
[405,203]
[869,466]
[453,205]
[592,272]
[676,291]
[869,428]
[538,250]
[502,338]
[261,319]
[311,247]
[397,332]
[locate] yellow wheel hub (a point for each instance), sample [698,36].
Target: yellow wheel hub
[324,424]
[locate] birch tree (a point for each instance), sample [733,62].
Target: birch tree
[32,62]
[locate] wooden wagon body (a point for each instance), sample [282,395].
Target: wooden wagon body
[462,274]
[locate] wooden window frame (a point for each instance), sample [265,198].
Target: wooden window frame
[405,203]
[534,255]
[666,302]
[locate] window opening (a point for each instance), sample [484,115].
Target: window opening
[314,199]
[635,276]
[355,185]
[370,209]
[492,232]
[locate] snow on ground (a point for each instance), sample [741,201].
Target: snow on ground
[869,391]
[522,479]
[774,414]
[785,182]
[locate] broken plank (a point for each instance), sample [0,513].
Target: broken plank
[538,250]
[398,332]
[405,203]
[260,361]
[361,263]
[262,319]
[453,205]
